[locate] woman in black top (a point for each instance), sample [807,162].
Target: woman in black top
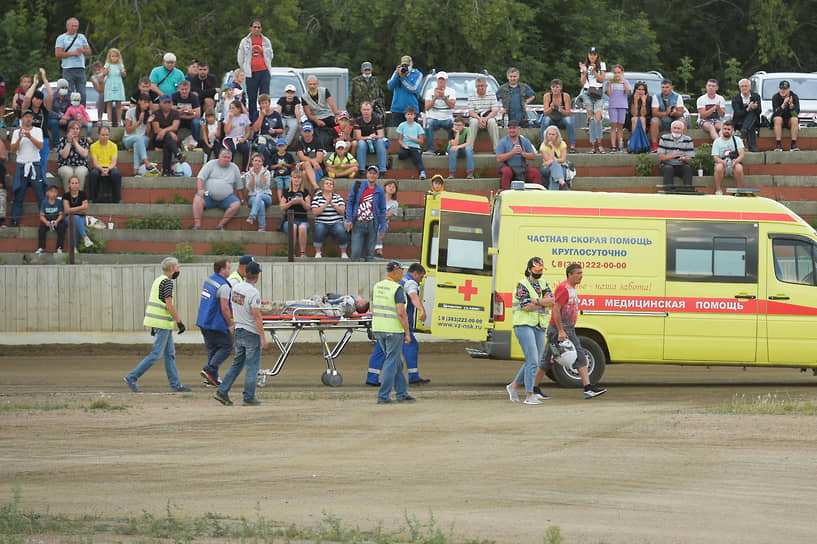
[75,201]
[299,200]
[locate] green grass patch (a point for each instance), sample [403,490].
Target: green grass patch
[184,253]
[36,406]
[155,221]
[768,404]
[226,248]
[98,246]
[104,404]
[177,199]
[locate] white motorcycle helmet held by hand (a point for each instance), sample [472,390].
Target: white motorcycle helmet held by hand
[566,355]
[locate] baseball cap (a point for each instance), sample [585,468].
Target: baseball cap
[513,123]
[281,141]
[246,259]
[26,112]
[340,143]
[593,51]
[373,167]
[169,57]
[52,186]
[289,87]
[166,98]
[394,265]
[442,75]
[366,66]
[343,114]
[307,126]
[785,84]
[405,58]
[253,269]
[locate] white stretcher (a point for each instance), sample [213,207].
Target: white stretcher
[298,319]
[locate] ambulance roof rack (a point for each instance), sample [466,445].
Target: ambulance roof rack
[741,191]
[679,189]
[521,185]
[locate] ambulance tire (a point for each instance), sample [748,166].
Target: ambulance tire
[596,362]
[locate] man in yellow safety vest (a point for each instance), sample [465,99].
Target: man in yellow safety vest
[391,331]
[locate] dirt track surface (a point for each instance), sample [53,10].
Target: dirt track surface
[651,461]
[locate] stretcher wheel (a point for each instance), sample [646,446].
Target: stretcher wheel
[332,378]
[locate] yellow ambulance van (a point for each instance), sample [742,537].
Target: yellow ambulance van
[674,279]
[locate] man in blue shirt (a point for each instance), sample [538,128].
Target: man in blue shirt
[215,319]
[406,83]
[513,153]
[165,79]
[72,48]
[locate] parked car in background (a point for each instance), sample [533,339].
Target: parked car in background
[280,77]
[804,85]
[463,83]
[334,79]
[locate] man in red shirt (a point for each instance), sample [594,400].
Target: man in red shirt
[562,326]
[255,58]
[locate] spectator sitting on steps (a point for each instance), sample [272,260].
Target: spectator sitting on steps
[513,153]
[675,151]
[711,109]
[728,154]
[103,168]
[785,111]
[165,125]
[218,183]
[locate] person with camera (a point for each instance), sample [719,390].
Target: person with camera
[439,104]
[405,83]
[593,74]
[482,111]
[785,110]
[746,108]
[666,108]
[728,153]
[558,113]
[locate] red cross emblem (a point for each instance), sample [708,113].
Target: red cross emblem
[467,290]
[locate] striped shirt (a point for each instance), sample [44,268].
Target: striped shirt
[330,214]
[482,104]
[667,146]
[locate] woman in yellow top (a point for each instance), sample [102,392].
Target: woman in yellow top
[554,153]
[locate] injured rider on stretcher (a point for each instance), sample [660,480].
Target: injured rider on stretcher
[330,305]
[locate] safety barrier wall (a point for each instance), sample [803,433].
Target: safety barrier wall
[111,298]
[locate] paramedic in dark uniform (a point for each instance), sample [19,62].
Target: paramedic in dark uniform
[215,319]
[391,331]
[160,316]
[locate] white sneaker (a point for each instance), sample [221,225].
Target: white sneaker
[39,251]
[318,255]
[512,393]
[718,192]
[88,242]
[343,255]
[533,399]
[58,253]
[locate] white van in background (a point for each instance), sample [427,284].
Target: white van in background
[804,85]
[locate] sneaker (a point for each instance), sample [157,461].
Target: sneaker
[132,384]
[251,220]
[344,255]
[423,175]
[318,255]
[591,391]
[718,192]
[141,171]
[39,251]
[450,175]
[209,378]
[385,401]
[512,393]
[252,402]
[778,147]
[182,389]
[794,147]
[421,381]
[469,175]
[87,241]
[538,394]
[196,227]
[654,148]
[59,252]
[220,227]
[533,399]
[428,153]
[223,399]
[262,229]
[407,398]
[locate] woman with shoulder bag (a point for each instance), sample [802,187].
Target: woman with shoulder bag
[594,72]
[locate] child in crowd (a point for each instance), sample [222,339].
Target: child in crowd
[289,106]
[618,89]
[210,142]
[437,183]
[282,165]
[20,94]
[51,218]
[114,86]
[461,144]
[77,112]
[98,81]
[341,164]
[259,192]
[268,127]
[227,98]
[392,205]
[237,132]
[411,137]
[238,82]
[343,131]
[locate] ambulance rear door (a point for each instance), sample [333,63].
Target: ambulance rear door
[462,294]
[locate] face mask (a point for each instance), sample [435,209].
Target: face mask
[63,91]
[75,103]
[367,76]
[175,275]
[535,276]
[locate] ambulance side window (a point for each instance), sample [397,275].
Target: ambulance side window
[434,244]
[794,261]
[712,252]
[464,240]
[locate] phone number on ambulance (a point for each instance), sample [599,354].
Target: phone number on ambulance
[591,264]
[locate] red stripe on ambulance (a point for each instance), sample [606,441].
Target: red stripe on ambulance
[653,214]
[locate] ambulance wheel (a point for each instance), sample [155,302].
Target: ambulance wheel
[596,362]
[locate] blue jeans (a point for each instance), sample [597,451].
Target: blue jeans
[338,230]
[219,345]
[392,377]
[194,125]
[162,346]
[139,145]
[564,122]
[257,84]
[247,352]
[434,124]
[411,352]
[79,228]
[415,155]
[363,150]
[44,153]
[19,188]
[54,131]
[258,208]
[76,81]
[592,105]
[468,151]
[553,174]
[364,234]
[532,340]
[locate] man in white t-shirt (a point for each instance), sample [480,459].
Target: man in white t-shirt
[26,142]
[711,109]
[728,153]
[440,102]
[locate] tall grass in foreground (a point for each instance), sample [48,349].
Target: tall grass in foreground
[768,404]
